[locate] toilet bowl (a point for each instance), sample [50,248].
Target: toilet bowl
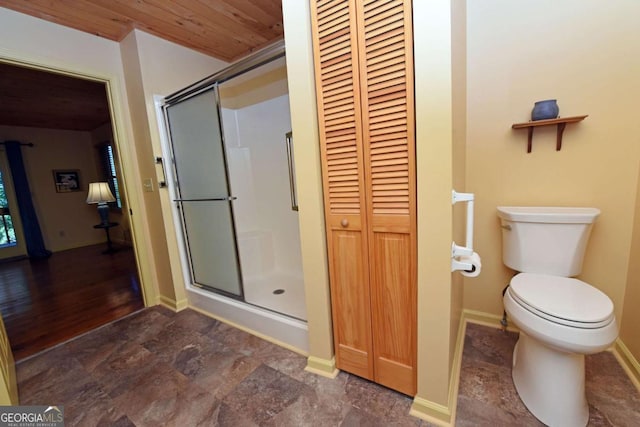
[548,361]
[561,319]
[565,313]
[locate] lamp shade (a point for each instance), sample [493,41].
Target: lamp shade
[99,192]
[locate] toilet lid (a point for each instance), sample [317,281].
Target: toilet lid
[562,300]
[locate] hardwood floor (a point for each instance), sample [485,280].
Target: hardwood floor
[46,302]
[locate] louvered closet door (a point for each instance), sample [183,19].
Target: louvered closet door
[386,73]
[340,122]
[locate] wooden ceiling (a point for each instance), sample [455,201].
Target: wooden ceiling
[34,98]
[224,29]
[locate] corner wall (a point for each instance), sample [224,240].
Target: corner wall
[438,302]
[459,135]
[154,66]
[629,330]
[304,123]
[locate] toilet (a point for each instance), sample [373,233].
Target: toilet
[561,319]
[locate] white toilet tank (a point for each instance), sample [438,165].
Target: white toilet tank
[545,240]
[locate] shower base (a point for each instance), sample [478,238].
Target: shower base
[277,291]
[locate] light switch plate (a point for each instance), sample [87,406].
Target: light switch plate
[147,185]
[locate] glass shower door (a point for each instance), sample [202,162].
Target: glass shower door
[203,196]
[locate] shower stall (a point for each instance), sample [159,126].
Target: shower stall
[228,157]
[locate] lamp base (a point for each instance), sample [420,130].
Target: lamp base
[103,211]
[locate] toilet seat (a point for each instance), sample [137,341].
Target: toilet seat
[562,300]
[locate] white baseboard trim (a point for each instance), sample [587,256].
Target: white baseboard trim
[323,367]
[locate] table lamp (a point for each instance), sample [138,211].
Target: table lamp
[100,193]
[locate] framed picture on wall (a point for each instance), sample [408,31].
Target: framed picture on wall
[67,180]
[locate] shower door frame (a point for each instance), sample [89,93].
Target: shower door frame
[262,57]
[177,198]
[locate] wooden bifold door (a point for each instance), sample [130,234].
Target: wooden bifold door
[364,86]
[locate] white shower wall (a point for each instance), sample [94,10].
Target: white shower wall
[267,227]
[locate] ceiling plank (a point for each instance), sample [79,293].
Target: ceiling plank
[155,19]
[34,98]
[251,19]
[225,29]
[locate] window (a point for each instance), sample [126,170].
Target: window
[109,170]
[7,232]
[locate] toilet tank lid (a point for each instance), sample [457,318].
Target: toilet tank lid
[557,215]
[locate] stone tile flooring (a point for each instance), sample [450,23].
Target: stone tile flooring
[487,396]
[158,368]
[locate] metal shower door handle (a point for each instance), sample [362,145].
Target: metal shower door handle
[292,177]
[215,199]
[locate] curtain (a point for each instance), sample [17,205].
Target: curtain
[31,227]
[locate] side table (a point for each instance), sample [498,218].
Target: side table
[106,227]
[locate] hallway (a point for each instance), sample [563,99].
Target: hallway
[45,302]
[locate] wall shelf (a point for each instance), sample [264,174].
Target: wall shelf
[561,122]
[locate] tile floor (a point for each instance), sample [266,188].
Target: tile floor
[487,396]
[157,368]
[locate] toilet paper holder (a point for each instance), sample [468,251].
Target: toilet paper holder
[467,250]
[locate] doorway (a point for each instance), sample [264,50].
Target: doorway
[67,121]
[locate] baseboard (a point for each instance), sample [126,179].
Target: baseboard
[436,413]
[432,412]
[487,319]
[172,304]
[628,362]
[323,367]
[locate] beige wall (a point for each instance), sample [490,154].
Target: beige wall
[586,54]
[65,219]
